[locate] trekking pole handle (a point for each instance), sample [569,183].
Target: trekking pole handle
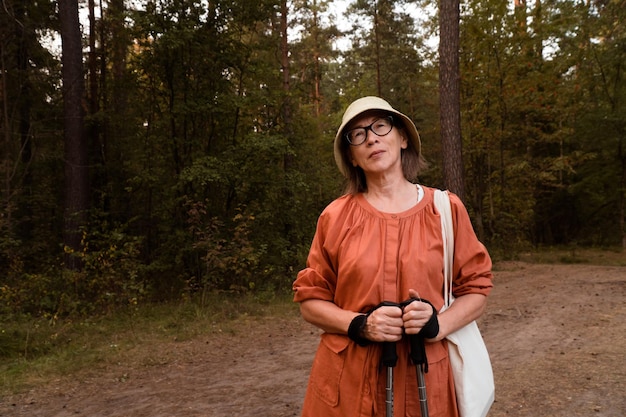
[418,351]
[389,357]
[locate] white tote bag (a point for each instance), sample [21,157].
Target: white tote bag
[469,359]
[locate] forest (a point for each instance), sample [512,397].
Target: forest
[158,150]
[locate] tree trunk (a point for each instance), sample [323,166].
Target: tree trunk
[22,57]
[284,66]
[284,61]
[317,95]
[377,46]
[76,171]
[449,95]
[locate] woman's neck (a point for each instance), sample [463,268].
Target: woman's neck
[391,196]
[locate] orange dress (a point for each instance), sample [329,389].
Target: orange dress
[360,257]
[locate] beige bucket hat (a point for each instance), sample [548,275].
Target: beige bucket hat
[359,107]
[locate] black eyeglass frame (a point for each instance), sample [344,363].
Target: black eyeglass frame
[369,127]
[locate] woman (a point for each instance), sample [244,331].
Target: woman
[381,242]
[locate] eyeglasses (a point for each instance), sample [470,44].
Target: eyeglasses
[380,127]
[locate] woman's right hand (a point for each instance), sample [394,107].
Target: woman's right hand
[384,324]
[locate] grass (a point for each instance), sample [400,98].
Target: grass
[33,351]
[575,255]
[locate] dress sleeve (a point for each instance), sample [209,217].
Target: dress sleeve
[319,279]
[472,263]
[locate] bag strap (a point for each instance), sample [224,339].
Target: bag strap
[442,204]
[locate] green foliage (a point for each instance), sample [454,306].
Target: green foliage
[209,166]
[231,262]
[111,277]
[535,174]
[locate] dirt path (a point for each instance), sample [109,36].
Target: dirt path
[556,335]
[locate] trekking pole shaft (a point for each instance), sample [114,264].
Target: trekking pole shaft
[418,356]
[389,359]
[389,399]
[421,389]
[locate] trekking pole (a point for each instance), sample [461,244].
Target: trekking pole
[389,358]
[418,356]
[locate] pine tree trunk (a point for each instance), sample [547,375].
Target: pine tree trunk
[76,181]
[284,66]
[449,96]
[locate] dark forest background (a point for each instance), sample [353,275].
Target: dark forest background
[175,148]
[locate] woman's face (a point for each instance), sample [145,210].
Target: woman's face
[377,155]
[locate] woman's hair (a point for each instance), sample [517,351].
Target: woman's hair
[413,163]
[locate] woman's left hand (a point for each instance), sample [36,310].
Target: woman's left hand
[416,314]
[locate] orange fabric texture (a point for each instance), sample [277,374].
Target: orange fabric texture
[360,257]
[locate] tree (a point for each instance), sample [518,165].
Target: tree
[312,52]
[497,189]
[449,97]
[211,131]
[385,59]
[597,58]
[29,76]
[76,172]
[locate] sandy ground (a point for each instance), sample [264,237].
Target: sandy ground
[556,336]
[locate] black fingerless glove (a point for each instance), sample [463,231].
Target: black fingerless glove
[355,330]
[357,325]
[431,328]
